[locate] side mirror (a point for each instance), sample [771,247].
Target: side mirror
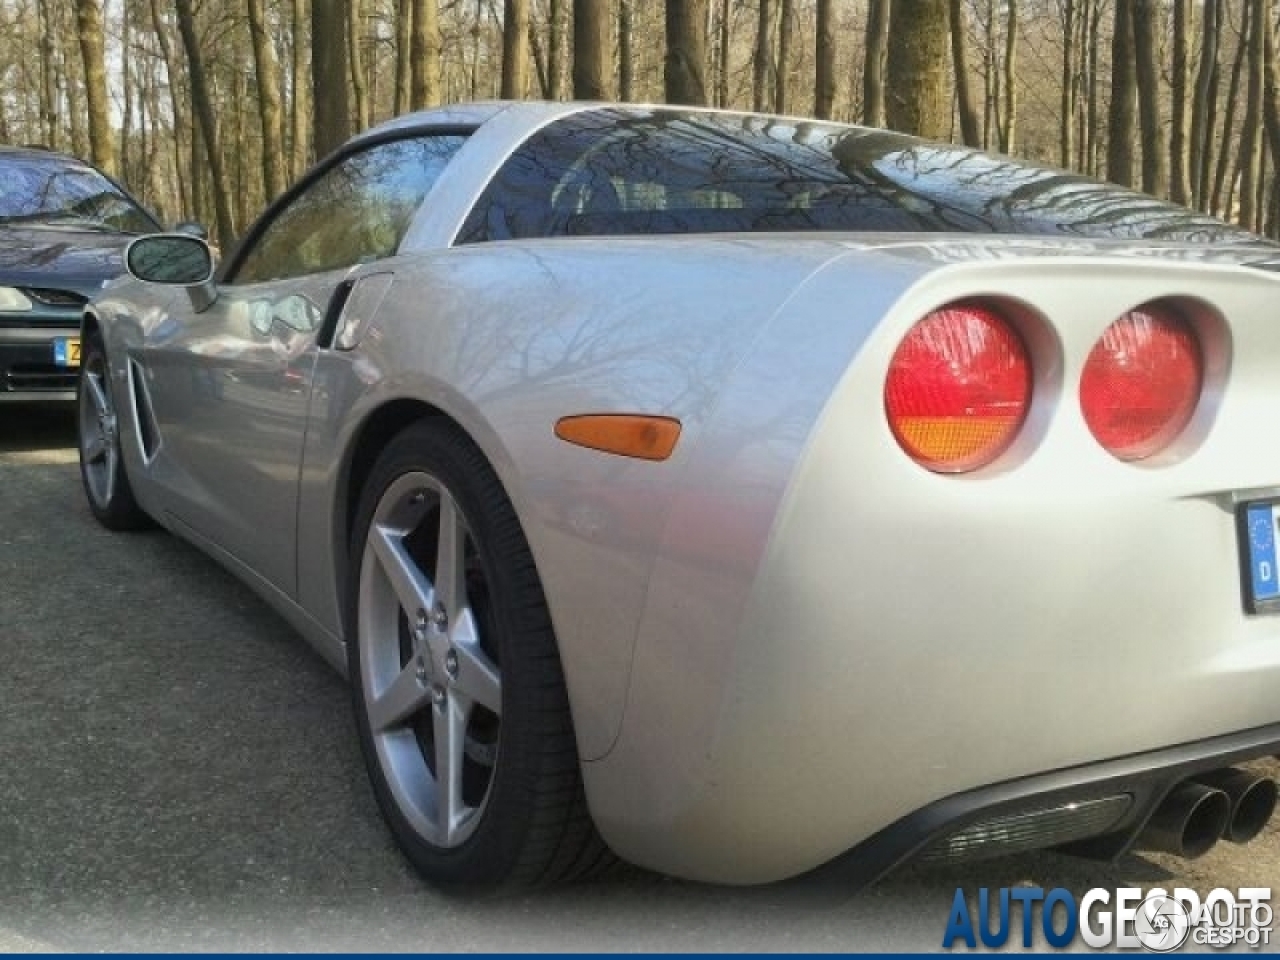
[174,259]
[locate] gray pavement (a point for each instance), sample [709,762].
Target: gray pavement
[179,771]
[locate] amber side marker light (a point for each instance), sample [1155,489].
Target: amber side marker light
[626,434]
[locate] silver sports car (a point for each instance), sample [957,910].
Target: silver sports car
[730,493]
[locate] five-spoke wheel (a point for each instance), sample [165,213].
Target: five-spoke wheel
[102,468]
[460,700]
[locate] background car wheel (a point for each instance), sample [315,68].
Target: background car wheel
[106,485]
[460,700]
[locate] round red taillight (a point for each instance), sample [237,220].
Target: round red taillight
[1141,382]
[958,389]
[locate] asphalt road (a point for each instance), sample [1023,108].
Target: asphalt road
[179,771]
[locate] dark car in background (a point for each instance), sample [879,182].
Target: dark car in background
[63,228]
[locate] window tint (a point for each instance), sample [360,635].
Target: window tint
[625,171]
[54,190]
[356,212]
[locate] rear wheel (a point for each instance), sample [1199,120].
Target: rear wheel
[106,484]
[460,700]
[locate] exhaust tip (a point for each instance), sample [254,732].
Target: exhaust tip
[1189,822]
[1253,801]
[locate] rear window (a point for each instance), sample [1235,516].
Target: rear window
[639,171]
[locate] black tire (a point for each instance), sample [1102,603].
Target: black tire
[102,470]
[532,827]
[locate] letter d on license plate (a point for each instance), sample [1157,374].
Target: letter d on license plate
[1260,535]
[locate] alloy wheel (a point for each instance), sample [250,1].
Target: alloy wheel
[431,683]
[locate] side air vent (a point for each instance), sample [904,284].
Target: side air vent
[143,416]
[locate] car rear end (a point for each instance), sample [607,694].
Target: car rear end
[1020,589]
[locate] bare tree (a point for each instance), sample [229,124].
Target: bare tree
[424,84]
[592,49]
[1124,97]
[786,29]
[1155,158]
[1204,104]
[301,86]
[1250,139]
[762,63]
[329,75]
[918,96]
[873,69]
[93,55]
[270,113]
[824,60]
[686,64]
[970,127]
[1179,128]
[515,49]
[203,108]
[1010,78]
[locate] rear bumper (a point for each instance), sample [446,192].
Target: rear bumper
[1062,808]
[28,370]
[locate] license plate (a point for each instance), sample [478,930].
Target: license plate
[66,352]
[1260,532]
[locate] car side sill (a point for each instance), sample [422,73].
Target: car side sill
[331,648]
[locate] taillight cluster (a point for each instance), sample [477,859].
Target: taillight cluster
[960,384]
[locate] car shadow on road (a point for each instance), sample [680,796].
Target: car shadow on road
[37,426]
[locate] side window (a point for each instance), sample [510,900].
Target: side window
[357,211]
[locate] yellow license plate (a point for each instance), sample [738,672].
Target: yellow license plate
[66,351]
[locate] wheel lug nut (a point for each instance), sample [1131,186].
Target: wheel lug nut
[451,663]
[437,695]
[439,618]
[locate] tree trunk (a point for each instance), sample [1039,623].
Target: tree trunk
[329,75]
[686,64]
[48,81]
[873,68]
[970,127]
[1204,107]
[919,97]
[762,62]
[592,49]
[726,50]
[404,54]
[1179,129]
[355,62]
[425,51]
[1225,153]
[1250,142]
[824,61]
[93,55]
[558,47]
[270,114]
[203,108]
[180,122]
[515,49]
[1067,100]
[1010,79]
[1146,38]
[786,29]
[626,50]
[1124,98]
[301,88]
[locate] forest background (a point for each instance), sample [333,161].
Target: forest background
[207,109]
